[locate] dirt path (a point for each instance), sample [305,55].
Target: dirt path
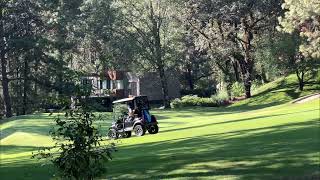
[306,98]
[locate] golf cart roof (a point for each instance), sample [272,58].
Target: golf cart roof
[126,99]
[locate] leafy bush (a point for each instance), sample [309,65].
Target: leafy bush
[221,98]
[237,89]
[176,103]
[189,101]
[119,110]
[78,153]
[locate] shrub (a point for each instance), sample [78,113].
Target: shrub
[189,101]
[237,89]
[176,103]
[78,153]
[119,110]
[221,98]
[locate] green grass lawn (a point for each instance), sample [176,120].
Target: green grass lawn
[260,138]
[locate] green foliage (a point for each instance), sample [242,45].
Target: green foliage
[83,89]
[237,89]
[267,62]
[194,100]
[119,110]
[54,41]
[255,85]
[78,152]
[304,16]
[221,98]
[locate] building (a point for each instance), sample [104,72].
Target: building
[122,84]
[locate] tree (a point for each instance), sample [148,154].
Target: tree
[237,22]
[285,49]
[150,27]
[19,28]
[30,58]
[195,61]
[303,16]
[3,57]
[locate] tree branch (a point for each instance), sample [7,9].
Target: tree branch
[199,31]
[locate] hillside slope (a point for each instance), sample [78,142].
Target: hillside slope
[280,91]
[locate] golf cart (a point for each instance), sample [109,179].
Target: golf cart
[134,116]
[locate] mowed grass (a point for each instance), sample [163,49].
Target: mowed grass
[248,140]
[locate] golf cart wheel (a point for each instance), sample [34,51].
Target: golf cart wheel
[153,129]
[127,134]
[112,134]
[139,130]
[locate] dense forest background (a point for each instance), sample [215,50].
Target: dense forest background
[47,45]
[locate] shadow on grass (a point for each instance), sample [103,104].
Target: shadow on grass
[235,121]
[26,169]
[12,149]
[279,151]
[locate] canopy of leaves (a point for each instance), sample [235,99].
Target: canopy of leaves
[303,16]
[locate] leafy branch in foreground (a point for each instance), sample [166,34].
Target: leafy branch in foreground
[78,152]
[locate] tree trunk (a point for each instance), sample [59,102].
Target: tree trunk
[189,57]
[25,87]
[5,80]
[5,87]
[300,79]
[190,79]
[236,70]
[163,78]
[164,86]
[226,76]
[158,57]
[247,76]
[228,88]
[264,78]
[246,67]
[247,63]
[18,92]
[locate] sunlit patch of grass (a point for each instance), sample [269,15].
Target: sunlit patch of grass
[283,90]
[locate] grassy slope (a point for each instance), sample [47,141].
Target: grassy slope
[280,91]
[236,142]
